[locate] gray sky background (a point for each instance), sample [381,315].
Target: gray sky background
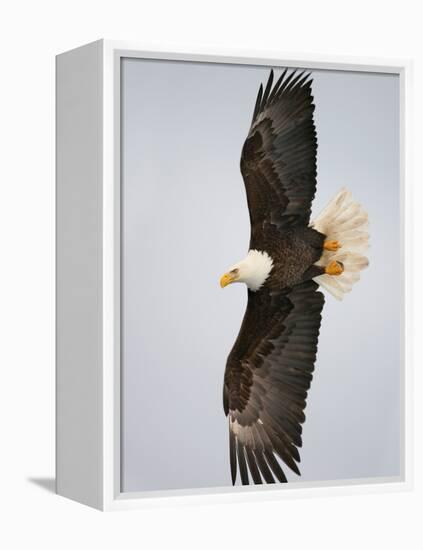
[185,221]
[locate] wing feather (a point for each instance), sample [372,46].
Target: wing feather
[278,160]
[267,377]
[252,465]
[273,463]
[232,455]
[264,468]
[242,464]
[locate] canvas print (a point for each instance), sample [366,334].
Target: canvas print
[297,173]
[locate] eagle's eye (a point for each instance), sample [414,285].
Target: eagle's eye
[234,271]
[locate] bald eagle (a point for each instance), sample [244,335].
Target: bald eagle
[269,370]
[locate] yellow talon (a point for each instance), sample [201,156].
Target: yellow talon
[334,268]
[332,246]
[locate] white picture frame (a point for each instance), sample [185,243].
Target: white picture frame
[88,466]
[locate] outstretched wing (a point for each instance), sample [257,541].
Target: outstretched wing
[267,377]
[278,160]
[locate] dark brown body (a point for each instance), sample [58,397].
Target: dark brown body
[294,253]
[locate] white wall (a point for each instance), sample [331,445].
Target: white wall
[32,33]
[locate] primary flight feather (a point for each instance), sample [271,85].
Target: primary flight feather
[269,370]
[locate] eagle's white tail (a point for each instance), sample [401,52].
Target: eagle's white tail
[345,221]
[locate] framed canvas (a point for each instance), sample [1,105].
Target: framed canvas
[179,173]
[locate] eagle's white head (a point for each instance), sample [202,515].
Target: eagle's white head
[253,270]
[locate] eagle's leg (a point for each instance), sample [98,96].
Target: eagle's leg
[334,268]
[313,271]
[332,245]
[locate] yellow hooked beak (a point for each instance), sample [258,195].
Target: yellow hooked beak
[227,279]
